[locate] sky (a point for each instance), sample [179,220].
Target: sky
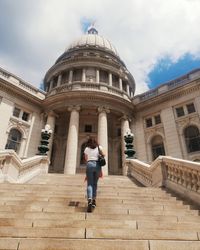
[158,40]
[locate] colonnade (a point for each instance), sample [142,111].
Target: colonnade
[97,80]
[73,134]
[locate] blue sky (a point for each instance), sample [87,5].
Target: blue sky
[166,70]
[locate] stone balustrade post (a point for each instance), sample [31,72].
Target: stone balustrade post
[110,79]
[59,80]
[97,76]
[120,84]
[70,76]
[83,75]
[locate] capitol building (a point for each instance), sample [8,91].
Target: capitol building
[89,92]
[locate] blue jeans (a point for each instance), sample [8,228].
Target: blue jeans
[92,173]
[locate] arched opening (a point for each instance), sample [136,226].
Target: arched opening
[192,139]
[157,146]
[14,140]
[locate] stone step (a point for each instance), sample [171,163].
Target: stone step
[151,217]
[64,232]
[100,203]
[142,234]
[100,233]
[144,224]
[98,244]
[55,244]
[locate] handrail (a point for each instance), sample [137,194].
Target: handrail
[178,175]
[15,170]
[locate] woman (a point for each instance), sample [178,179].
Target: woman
[93,171]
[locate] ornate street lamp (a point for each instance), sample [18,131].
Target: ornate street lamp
[129,137]
[45,136]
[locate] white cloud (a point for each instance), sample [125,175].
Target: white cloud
[143,31]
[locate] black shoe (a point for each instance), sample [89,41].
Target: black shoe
[94,203]
[89,208]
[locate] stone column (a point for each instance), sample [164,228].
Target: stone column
[110,79]
[70,76]
[83,75]
[128,89]
[72,141]
[124,128]
[103,134]
[97,76]
[59,80]
[120,84]
[51,85]
[51,119]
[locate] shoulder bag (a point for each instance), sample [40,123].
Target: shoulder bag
[101,158]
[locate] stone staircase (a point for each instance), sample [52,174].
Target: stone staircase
[50,213]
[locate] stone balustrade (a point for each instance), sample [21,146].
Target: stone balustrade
[15,170]
[180,176]
[88,86]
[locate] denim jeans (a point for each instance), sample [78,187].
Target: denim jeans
[92,173]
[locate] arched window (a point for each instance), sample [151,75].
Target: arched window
[14,140]
[157,146]
[192,139]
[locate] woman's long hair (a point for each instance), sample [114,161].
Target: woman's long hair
[92,143]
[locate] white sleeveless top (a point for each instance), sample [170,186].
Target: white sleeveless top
[92,154]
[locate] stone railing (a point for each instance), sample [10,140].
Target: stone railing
[177,175]
[15,170]
[88,86]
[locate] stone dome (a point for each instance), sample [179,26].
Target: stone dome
[92,39]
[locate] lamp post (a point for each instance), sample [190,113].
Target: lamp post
[129,137]
[45,136]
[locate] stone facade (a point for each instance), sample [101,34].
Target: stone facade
[90,92]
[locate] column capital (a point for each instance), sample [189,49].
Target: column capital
[75,107]
[125,117]
[51,113]
[103,109]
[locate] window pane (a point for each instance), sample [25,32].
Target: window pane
[25,116]
[157,119]
[148,122]
[88,128]
[190,108]
[16,112]
[14,140]
[192,139]
[180,111]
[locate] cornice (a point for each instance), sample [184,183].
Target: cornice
[169,95]
[88,98]
[17,92]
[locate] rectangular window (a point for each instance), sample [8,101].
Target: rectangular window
[88,128]
[149,122]
[25,116]
[180,112]
[157,119]
[16,112]
[190,108]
